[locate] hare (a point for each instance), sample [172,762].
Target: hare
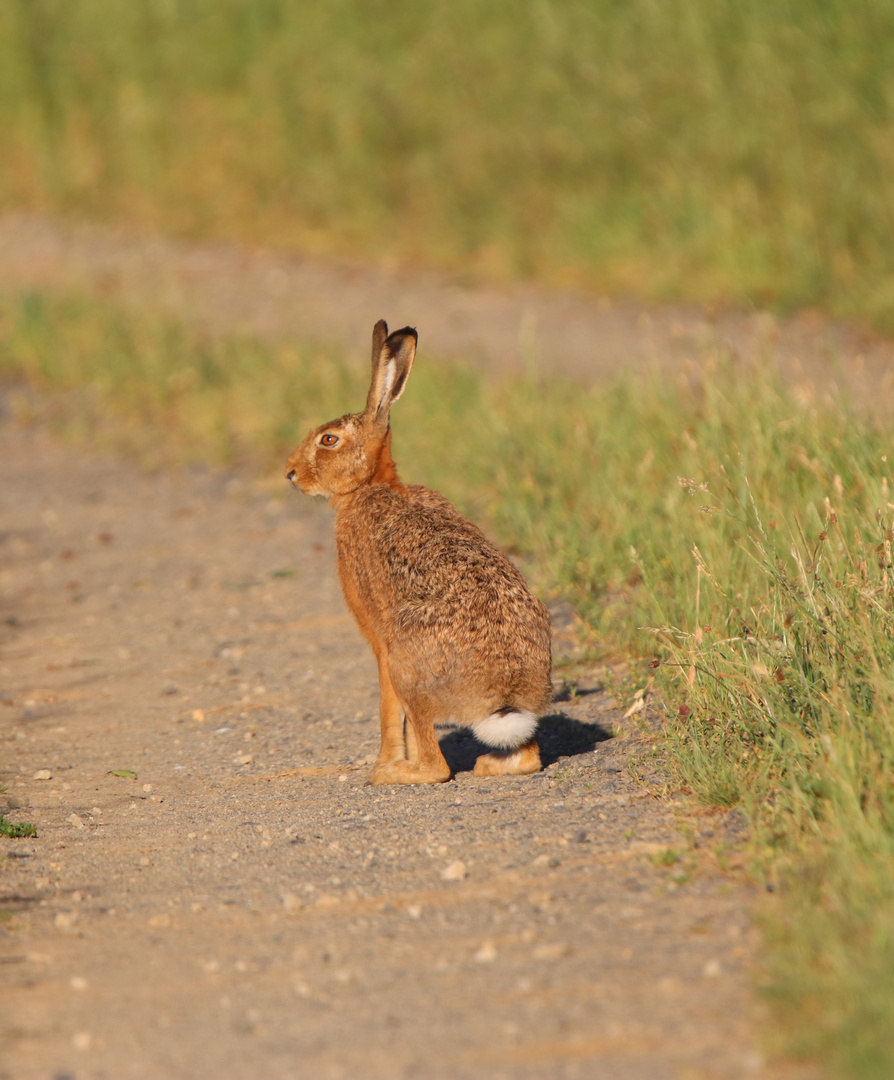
[457,636]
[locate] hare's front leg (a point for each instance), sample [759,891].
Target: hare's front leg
[391,718]
[421,763]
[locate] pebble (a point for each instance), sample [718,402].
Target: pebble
[456,871]
[43,774]
[555,950]
[487,953]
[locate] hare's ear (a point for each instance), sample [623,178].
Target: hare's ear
[392,358]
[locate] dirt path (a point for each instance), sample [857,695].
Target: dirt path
[225,287]
[245,906]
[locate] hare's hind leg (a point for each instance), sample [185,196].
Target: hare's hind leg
[519,762]
[423,764]
[510,733]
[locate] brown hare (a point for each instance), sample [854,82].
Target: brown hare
[457,636]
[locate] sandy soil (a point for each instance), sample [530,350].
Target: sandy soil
[244,906]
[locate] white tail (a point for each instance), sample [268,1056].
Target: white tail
[506,730]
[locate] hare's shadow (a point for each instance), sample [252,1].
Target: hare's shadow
[558,736]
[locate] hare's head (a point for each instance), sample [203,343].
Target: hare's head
[344,454]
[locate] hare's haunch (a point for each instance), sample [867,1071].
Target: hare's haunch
[457,635]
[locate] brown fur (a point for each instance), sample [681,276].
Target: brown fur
[456,634]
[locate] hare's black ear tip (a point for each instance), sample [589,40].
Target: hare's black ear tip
[380,335]
[408,331]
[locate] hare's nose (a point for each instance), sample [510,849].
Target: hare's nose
[290,476]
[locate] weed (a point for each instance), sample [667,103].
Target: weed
[16,830]
[666,857]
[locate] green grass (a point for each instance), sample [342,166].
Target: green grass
[16,830]
[712,150]
[734,532]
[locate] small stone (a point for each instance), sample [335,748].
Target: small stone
[555,950]
[487,953]
[82,1040]
[712,969]
[170,688]
[78,982]
[76,821]
[43,774]
[243,759]
[456,871]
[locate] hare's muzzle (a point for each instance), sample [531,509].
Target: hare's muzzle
[293,475]
[301,478]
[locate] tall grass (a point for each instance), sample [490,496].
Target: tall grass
[788,700]
[731,151]
[736,531]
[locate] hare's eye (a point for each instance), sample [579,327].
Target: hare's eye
[328,439]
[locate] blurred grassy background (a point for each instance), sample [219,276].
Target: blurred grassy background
[707,149]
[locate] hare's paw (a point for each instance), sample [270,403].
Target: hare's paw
[520,762]
[406,772]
